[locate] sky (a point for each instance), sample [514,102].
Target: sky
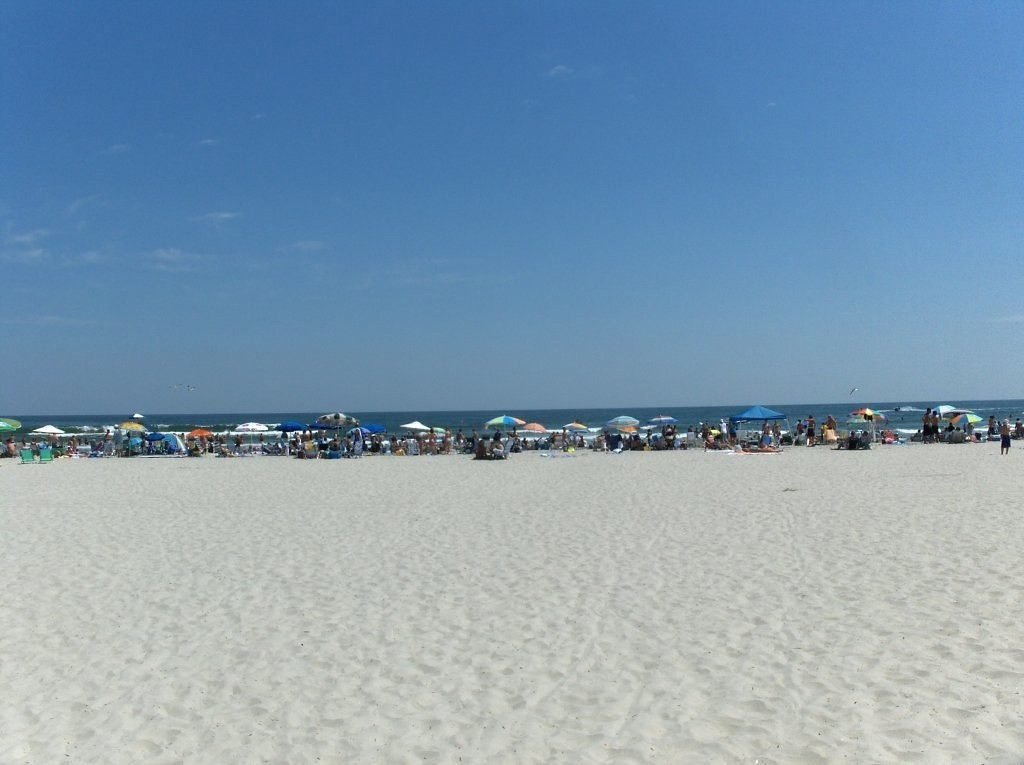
[461,205]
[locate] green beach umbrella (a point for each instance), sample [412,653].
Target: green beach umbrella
[8,425]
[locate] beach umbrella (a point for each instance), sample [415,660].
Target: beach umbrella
[867,414]
[965,418]
[945,410]
[251,427]
[575,427]
[336,420]
[200,433]
[7,424]
[662,419]
[415,425]
[373,428]
[361,430]
[154,437]
[49,430]
[534,427]
[132,425]
[290,426]
[138,416]
[504,421]
[622,421]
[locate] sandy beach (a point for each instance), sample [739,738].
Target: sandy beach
[677,607]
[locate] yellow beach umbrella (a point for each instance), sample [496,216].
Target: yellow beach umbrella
[132,425]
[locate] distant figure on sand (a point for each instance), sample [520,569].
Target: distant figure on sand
[1004,437]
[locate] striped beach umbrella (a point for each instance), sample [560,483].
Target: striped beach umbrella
[622,421]
[504,421]
[336,420]
[965,418]
[8,425]
[662,419]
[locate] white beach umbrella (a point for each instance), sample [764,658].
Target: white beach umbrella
[49,430]
[251,427]
[138,416]
[415,425]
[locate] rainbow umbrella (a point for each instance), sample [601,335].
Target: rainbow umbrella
[7,424]
[575,427]
[622,421]
[966,418]
[504,421]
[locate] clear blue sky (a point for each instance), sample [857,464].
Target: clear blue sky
[306,206]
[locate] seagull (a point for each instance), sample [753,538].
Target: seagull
[853,390]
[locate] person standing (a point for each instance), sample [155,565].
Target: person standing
[811,430]
[1004,437]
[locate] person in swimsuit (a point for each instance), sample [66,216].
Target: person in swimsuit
[810,429]
[1004,437]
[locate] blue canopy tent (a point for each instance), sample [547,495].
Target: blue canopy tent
[757,413]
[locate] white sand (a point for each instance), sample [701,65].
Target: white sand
[814,606]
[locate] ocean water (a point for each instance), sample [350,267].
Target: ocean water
[468,420]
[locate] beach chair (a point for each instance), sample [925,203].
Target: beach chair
[45,455]
[27,457]
[505,451]
[412,447]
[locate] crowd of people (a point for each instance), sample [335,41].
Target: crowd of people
[356,442]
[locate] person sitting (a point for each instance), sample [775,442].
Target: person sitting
[481,451]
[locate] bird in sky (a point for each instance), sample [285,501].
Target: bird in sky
[853,390]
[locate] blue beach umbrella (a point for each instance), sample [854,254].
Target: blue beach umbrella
[622,421]
[290,426]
